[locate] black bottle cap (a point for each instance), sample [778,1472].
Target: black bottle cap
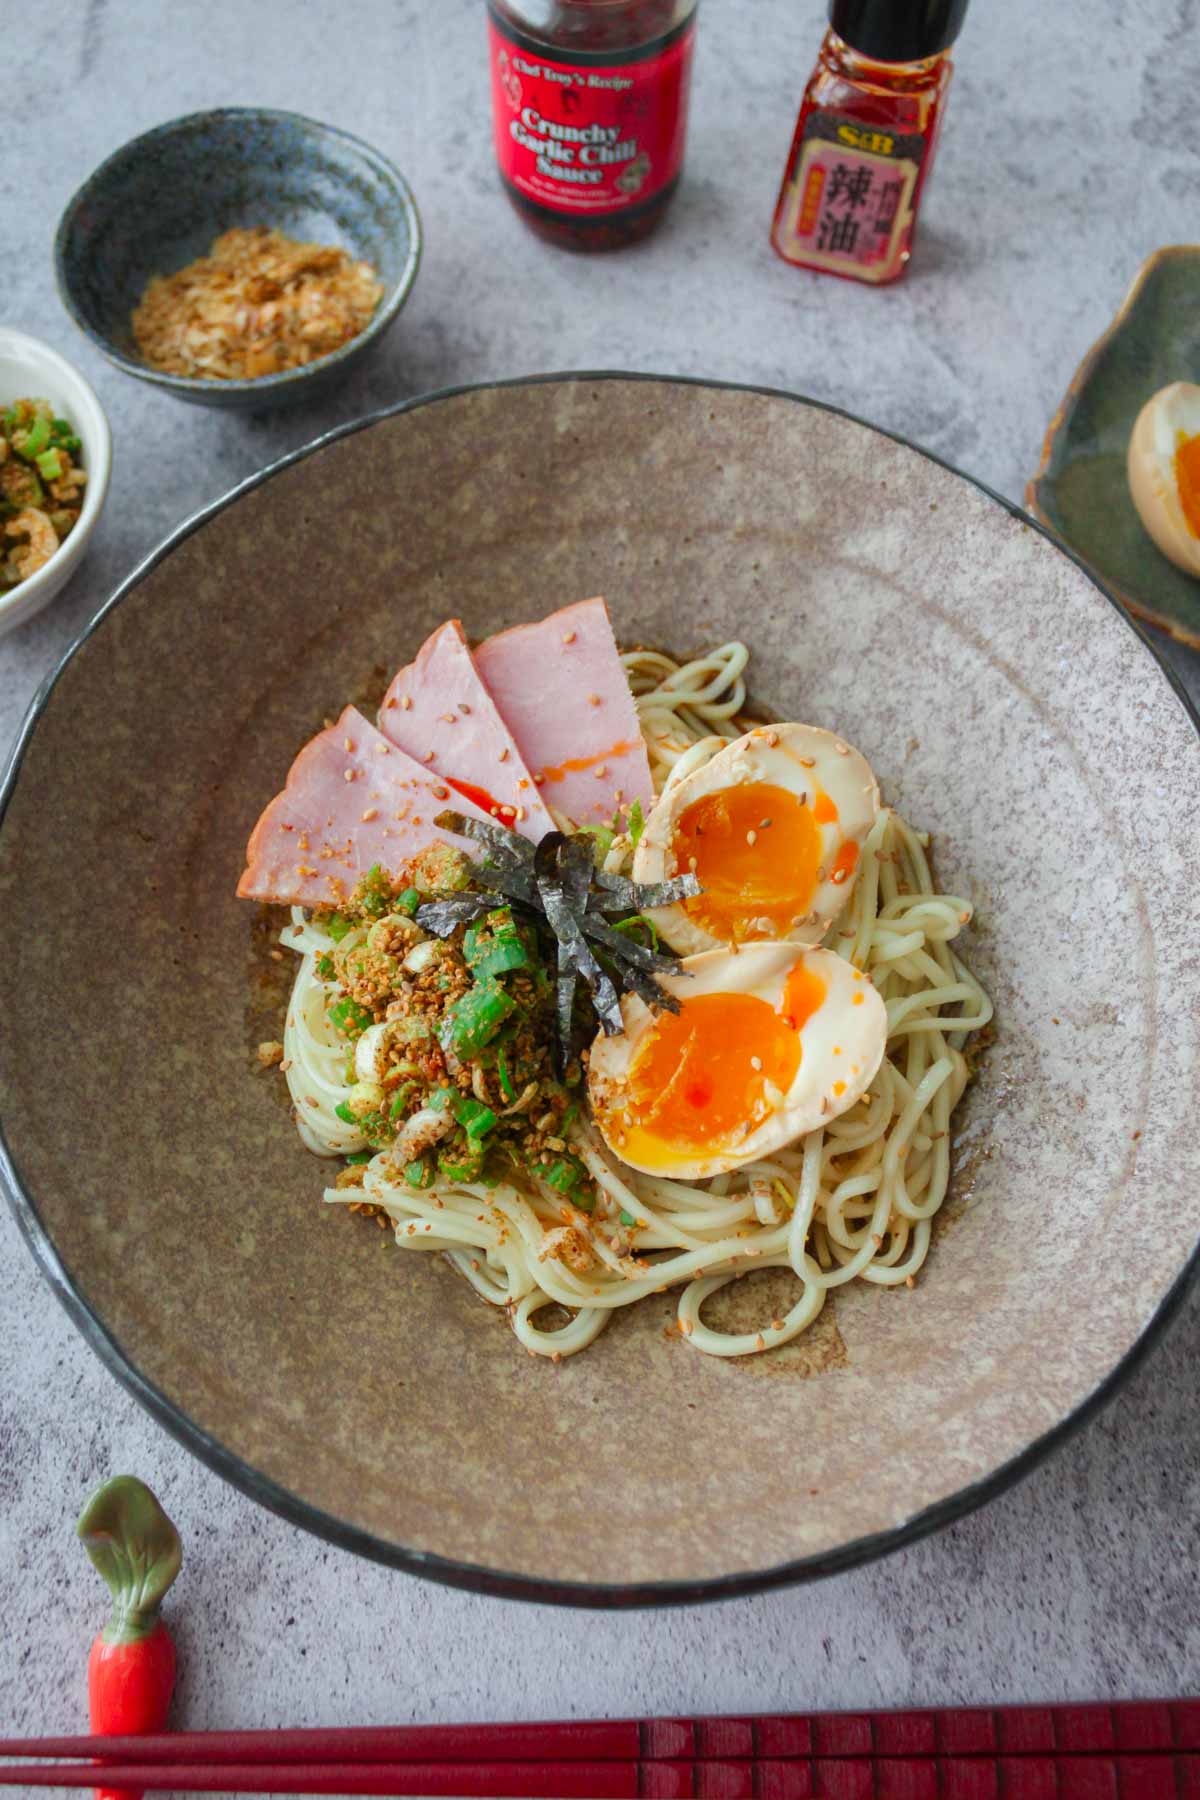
[897,31]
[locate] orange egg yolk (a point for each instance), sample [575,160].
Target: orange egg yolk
[755,850]
[1187,480]
[700,1075]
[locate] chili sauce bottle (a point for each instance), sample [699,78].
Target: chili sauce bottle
[866,137]
[589,105]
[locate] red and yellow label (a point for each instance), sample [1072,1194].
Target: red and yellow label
[585,137]
[847,208]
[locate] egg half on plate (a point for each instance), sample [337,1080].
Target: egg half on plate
[770,1042]
[1164,472]
[772,826]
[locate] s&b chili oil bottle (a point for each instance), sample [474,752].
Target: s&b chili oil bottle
[590,103]
[866,137]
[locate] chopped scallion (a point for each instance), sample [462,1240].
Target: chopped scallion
[33,440]
[348,1017]
[474,1019]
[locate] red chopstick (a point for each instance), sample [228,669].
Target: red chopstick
[1124,1727]
[1080,1776]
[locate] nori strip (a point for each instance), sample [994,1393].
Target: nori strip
[627,949]
[502,843]
[442,917]
[564,869]
[619,893]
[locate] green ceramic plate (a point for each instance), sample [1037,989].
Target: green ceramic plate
[1080,491]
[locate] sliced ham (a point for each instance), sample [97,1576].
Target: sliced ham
[561,689]
[352,800]
[439,704]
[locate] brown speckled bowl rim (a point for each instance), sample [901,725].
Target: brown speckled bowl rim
[472,1576]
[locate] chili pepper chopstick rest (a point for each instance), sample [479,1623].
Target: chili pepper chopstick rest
[131,1668]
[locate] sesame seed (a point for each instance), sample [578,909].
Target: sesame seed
[686,1326]
[568,637]
[383,749]
[764,824]
[807,762]
[406,703]
[842,749]
[349,774]
[441,793]
[522,784]
[752,837]
[347,743]
[503,756]
[756,1062]
[776,1324]
[593,700]
[372,812]
[450,718]
[519,814]
[391,700]
[760,1341]
[839,875]
[601,771]
[772,738]
[821,873]
[428,756]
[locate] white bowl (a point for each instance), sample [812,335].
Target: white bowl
[30,370]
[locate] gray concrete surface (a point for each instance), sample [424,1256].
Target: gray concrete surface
[1066,159]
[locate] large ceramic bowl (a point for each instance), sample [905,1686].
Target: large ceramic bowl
[1007,705]
[158,202]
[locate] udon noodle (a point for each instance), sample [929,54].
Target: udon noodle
[853,1201]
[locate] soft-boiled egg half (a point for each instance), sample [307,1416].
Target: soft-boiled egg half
[772,827]
[770,1042]
[1164,472]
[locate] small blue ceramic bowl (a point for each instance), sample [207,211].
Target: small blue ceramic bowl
[159,202]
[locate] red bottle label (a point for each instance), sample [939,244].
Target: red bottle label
[588,137]
[848,201]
